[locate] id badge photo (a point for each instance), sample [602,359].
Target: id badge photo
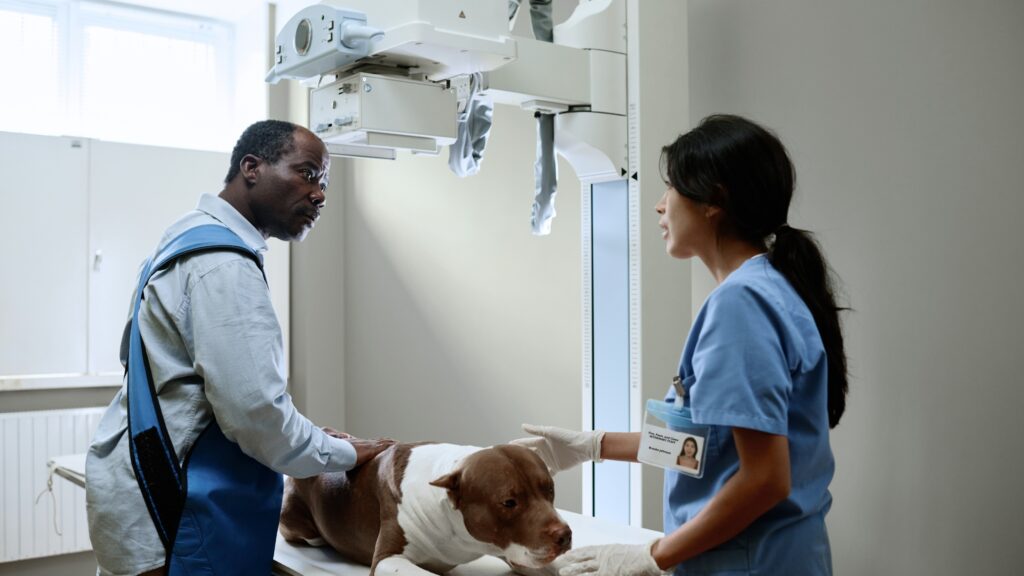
[669,439]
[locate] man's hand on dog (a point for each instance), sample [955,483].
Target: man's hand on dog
[365,449]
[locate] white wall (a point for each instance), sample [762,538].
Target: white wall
[904,120]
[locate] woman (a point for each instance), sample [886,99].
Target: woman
[763,370]
[688,457]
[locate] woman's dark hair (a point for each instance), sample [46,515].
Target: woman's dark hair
[731,162]
[266,139]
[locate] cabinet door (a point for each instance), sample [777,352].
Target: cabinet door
[43,205]
[136,193]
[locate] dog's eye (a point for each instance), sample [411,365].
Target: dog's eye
[510,503]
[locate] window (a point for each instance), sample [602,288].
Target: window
[125,73]
[161,78]
[30,100]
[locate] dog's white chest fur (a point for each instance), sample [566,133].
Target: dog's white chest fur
[434,530]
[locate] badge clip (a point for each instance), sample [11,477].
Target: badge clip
[677,384]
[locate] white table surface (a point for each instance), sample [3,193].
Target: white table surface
[302,560]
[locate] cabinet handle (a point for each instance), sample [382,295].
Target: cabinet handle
[97,260]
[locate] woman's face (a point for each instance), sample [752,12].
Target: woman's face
[686,228]
[690,448]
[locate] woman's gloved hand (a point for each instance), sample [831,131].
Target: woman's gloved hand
[560,448]
[610,560]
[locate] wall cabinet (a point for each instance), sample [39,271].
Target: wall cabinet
[43,296]
[78,218]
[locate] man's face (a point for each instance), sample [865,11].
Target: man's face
[287,198]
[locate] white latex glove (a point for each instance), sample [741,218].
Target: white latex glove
[610,560]
[561,448]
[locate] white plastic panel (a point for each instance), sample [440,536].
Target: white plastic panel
[441,38]
[485,19]
[607,82]
[542,71]
[43,283]
[596,25]
[347,110]
[595,144]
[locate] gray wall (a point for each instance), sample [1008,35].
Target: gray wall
[904,120]
[423,308]
[317,369]
[460,325]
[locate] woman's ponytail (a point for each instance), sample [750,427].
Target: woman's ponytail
[796,255]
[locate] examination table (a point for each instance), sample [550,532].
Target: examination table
[302,560]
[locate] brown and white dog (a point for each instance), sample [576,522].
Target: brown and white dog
[433,506]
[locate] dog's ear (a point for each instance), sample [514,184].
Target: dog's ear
[450,482]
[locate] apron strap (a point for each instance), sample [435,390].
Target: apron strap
[154,460]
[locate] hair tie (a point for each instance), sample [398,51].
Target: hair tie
[769,240]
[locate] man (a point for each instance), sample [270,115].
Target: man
[205,381]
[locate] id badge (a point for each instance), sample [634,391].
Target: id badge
[669,439]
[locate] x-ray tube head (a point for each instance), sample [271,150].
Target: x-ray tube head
[303,37]
[320,39]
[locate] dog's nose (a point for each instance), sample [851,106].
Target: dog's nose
[562,535]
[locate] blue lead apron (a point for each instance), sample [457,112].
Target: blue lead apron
[216,513]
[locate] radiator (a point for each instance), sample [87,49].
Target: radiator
[27,442]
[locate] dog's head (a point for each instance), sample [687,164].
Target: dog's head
[506,497]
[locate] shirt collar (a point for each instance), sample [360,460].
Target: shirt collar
[226,214]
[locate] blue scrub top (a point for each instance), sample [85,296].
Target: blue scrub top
[754,359]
